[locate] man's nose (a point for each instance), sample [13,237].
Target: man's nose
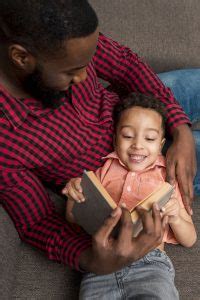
[81,76]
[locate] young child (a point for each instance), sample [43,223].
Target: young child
[129,174]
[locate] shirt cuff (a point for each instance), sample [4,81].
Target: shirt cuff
[74,248]
[176,117]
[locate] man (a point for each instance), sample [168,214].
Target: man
[56,120]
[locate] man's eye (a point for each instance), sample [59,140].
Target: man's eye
[127,136]
[150,139]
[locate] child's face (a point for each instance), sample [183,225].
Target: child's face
[139,138]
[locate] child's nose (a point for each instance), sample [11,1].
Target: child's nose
[137,144]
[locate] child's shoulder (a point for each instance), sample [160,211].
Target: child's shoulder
[110,167]
[161,161]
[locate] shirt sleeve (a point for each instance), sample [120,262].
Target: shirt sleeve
[28,204]
[122,68]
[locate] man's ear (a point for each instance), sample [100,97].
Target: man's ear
[22,58]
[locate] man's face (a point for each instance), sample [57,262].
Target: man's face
[54,75]
[139,138]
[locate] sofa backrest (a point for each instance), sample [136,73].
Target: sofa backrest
[166,33]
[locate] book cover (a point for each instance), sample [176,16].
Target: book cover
[98,204]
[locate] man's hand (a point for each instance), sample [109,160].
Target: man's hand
[108,255]
[181,163]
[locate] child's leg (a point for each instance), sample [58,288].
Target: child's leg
[151,277]
[94,287]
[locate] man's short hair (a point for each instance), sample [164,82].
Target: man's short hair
[141,100]
[45,24]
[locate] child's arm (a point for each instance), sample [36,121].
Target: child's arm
[74,192]
[179,220]
[183,229]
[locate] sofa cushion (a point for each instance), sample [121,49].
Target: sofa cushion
[9,255]
[165,33]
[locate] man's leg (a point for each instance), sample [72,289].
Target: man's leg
[185,84]
[196,134]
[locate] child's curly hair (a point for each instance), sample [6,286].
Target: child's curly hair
[141,100]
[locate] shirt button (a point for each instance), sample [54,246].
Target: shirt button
[129,188]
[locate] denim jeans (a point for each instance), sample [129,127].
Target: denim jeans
[151,277]
[185,84]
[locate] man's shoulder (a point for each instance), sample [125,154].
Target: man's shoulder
[12,109]
[4,123]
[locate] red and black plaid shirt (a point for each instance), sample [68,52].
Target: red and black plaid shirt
[42,145]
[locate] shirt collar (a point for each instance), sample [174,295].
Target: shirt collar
[16,110]
[160,161]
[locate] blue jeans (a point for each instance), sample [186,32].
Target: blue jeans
[151,277]
[185,84]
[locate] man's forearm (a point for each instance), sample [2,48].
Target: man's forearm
[181,129]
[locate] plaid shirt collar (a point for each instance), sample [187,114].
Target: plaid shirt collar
[17,110]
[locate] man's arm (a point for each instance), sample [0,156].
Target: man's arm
[181,163]
[122,68]
[37,223]
[28,204]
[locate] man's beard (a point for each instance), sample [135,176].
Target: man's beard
[33,84]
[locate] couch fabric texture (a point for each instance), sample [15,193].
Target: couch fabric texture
[166,34]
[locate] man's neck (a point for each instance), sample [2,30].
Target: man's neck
[11,83]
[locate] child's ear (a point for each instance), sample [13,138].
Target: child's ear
[162,144]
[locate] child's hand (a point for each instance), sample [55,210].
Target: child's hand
[73,190]
[172,210]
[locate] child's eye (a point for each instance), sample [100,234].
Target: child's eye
[150,139]
[127,136]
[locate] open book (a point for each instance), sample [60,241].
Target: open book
[98,204]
